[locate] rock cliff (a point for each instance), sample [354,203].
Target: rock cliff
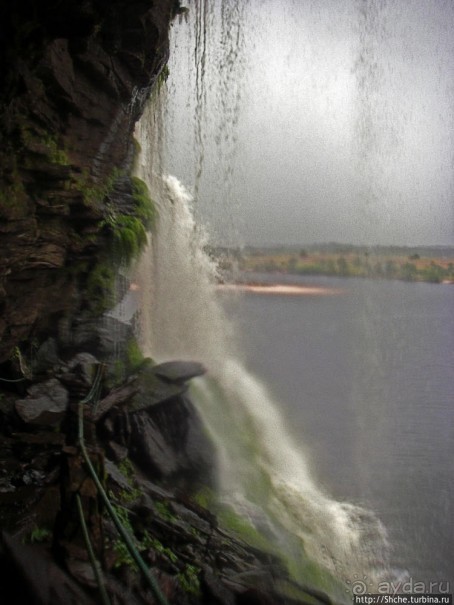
[74,77]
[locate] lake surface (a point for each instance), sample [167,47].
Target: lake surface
[365,382]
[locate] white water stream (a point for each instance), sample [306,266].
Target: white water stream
[262,473]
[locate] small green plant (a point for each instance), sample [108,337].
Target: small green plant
[159,547]
[143,540]
[129,238]
[128,231]
[127,496]
[55,154]
[127,469]
[43,142]
[38,535]
[145,208]
[134,355]
[189,580]
[164,511]
[100,287]
[121,550]
[123,556]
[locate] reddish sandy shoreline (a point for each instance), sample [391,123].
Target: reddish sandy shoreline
[281,289]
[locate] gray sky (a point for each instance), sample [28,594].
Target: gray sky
[316,121]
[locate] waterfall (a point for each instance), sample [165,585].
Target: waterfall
[263,473]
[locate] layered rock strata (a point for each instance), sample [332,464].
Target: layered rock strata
[74,77]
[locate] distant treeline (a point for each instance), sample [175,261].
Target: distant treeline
[430,264]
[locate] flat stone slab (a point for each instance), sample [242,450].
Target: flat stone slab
[155,385]
[179,371]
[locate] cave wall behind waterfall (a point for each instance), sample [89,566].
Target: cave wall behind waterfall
[74,77]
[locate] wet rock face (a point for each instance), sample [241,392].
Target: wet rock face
[73,81]
[169,442]
[160,426]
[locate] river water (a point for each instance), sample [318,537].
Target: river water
[365,383]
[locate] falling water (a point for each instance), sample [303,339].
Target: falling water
[261,468]
[207,71]
[263,473]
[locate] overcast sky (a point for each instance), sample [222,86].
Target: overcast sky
[316,121]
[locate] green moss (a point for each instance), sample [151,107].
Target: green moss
[294,558]
[123,555]
[145,208]
[126,468]
[134,355]
[128,231]
[189,580]
[128,496]
[93,192]
[302,569]
[55,154]
[44,143]
[164,511]
[100,287]
[159,547]
[129,238]
[243,529]
[144,542]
